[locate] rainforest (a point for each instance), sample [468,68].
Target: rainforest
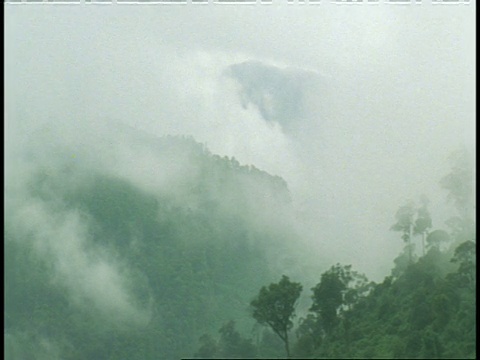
[239,182]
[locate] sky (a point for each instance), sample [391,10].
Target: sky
[356,107]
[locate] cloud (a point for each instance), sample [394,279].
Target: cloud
[88,273]
[21,345]
[393,99]
[278,94]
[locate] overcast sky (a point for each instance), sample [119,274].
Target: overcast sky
[356,107]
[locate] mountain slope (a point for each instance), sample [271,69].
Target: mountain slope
[98,265]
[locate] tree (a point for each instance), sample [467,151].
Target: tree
[275,306]
[423,221]
[339,287]
[233,345]
[460,186]
[309,335]
[413,221]
[402,262]
[327,297]
[404,217]
[208,349]
[465,257]
[436,238]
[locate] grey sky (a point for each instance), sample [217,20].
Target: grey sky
[393,95]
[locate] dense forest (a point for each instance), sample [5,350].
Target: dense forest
[426,308]
[189,259]
[209,271]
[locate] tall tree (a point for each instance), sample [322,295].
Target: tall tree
[275,306]
[328,296]
[423,222]
[404,224]
[460,186]
[339,288]
[465,257]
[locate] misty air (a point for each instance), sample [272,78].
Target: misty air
[239,182]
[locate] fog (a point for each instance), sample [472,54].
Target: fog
[356,107]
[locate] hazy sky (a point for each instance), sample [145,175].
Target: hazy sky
[379,96]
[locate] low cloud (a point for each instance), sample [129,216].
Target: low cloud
[88,273]
[391,102]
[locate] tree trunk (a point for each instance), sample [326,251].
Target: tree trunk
[410,230]
[287,348]
[423,242]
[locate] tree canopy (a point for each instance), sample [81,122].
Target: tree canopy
[275,306]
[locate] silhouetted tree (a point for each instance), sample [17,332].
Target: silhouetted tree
[423,221]
[404,217]
[328,295]
[275,306]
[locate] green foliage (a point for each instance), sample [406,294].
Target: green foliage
[412,221]
[420,314]
[437,238]
[275,306]
[465,257]
[191,264]
[340,288]
[230,345]
[404,223]
[426,309]
[423,221]
[404,218]
[309,336]
[328,295]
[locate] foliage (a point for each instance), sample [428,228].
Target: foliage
[231,345]
[339,286]
[194,266]
[275,306]
[404,223]
[191,264]
[426,309]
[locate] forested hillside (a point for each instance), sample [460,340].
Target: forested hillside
[185,260]
[426,308]
[101,266]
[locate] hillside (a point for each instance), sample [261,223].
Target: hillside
[148,271]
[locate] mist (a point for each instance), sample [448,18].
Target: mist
[388,92]
[355,108]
